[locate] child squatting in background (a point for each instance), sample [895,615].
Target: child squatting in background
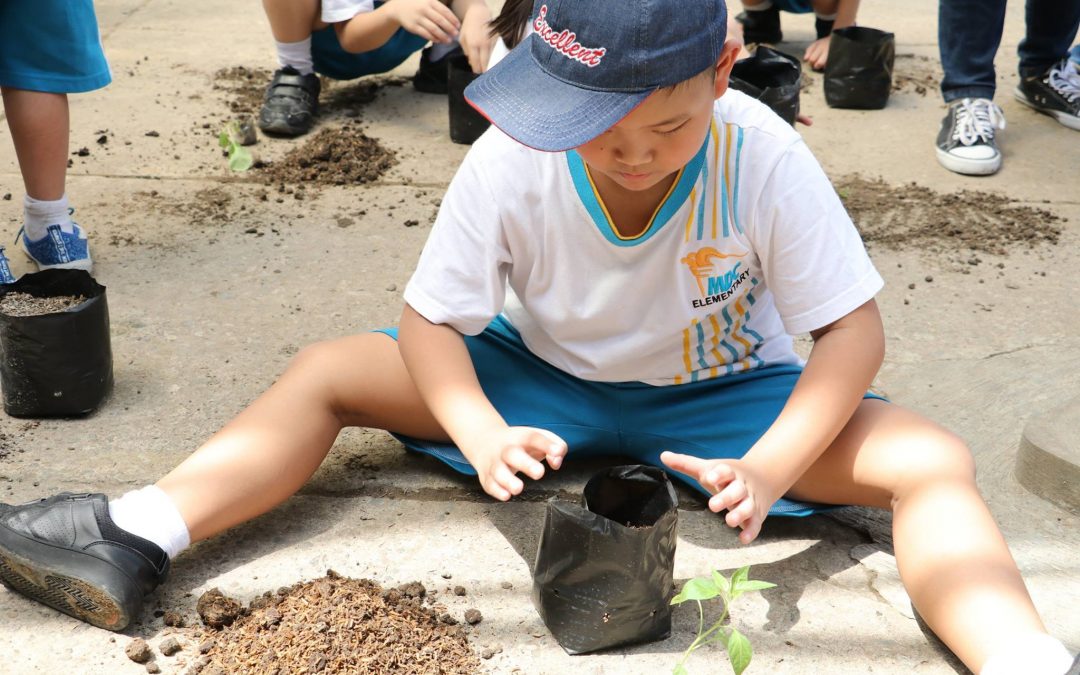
[48,49]
[346,39]
[617,268]
[761,23]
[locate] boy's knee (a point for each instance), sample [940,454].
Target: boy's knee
[933,455]
[315,357]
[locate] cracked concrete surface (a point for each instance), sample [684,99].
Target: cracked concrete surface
[207,311]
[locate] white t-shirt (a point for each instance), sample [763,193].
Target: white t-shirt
[750,246]
[343,10]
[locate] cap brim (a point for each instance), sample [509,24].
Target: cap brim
[541,111]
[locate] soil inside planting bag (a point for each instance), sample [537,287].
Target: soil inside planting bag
[335,624]
[24,304]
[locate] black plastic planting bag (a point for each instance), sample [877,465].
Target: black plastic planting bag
[466,124]
[858,73]
[772,77]
[603,574]
[58,364]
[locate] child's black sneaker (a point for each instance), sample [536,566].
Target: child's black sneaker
[432,77]
[290,104]
[66,552]
[761,26]
[1056,93]
[966,142]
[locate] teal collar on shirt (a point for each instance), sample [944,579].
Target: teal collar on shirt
[671,203]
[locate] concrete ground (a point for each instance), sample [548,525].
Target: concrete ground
[210,295]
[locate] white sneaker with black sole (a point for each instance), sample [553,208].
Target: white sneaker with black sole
[1056,93]
[966,142]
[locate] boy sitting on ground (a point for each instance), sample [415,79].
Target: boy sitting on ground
[624,278]
[346,39]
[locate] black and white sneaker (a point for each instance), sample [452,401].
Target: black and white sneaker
[291,103]
[761,26]
[1056,93]
[66,552]
[966,142]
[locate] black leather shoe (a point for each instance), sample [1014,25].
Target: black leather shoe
[290,104]
[66,552]
[761,27]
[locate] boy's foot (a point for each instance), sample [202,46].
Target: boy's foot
[59,249]
[291,103]
[6,277]
[432,76]
[762,26]
[66,552]
[1056,93]
[966,142]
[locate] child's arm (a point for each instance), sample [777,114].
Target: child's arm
[439,363]
[430,19]
[475,38]
[843,362]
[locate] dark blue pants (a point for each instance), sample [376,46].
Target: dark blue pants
[969,33]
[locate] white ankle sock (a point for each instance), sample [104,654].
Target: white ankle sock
[296,54]
[826,17]
[1031,654]
[38,214]
[760,7]
[150,514]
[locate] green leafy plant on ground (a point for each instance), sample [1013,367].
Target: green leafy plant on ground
[240,158]
[706,588]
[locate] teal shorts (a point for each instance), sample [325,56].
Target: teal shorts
[331,60]
[713,419]
[51,46]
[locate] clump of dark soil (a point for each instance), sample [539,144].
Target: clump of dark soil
[340,625]
[217,610]
[951,225]
[349,97]
[244,87]
[24,304]
[342,155]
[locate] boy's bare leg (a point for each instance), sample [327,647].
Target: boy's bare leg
[293,20]
[39,124]
[270,450]
[952,558]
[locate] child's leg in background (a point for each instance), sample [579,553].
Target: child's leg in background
[292,97]
[39,127]
[292,23]
[270,450]
[952,558]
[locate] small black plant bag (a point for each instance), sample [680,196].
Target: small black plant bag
[603,574]
[466,124]
[858,73]
[58,364]
[772,77]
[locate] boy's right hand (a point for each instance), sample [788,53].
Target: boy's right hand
[430,19]
[500,455]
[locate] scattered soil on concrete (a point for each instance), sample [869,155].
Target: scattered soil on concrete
[342,155]
[954,226]
[24,304]
[243,86]
[340,625]
[349,97]
[919,74]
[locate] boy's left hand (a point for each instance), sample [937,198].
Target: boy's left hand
[736,486]
[817,54]
[475,38]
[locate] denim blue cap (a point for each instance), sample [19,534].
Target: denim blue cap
[590,62]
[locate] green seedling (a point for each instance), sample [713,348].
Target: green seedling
[240,158]
[713,586]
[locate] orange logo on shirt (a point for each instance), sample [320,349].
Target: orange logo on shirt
[702,265]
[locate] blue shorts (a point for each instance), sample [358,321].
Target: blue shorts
[331,60]
[51,46]
[714,419]
[794,6]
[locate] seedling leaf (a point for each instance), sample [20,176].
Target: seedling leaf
[739,651]
[738,578]
[722,583]
[755,585]
[699,588]
[680,669]
[223,139]
[240,158]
